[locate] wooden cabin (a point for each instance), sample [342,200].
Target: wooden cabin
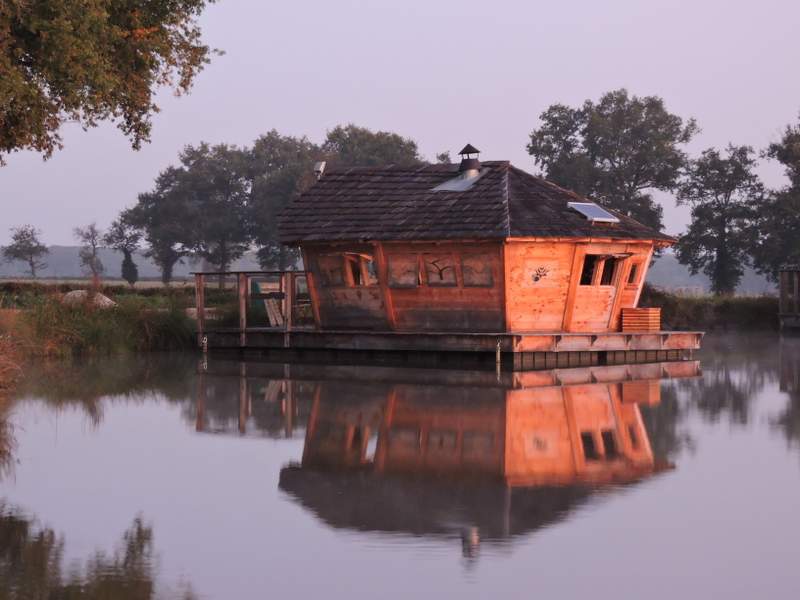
[789,282]
[470,247]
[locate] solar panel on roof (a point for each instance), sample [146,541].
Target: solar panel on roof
[593,212]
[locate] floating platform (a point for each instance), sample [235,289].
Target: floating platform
[508,351]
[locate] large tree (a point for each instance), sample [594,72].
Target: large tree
[777,242]
[25,246]
[353,146]
[124,237]
[87,61]
[281,167]
[616,151]
[216,185]
[161,215]
[724,192]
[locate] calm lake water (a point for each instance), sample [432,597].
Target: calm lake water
[168,476]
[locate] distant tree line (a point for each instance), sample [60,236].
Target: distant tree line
[220,201]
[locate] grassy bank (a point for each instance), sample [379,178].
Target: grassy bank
[713,313]
[49,328]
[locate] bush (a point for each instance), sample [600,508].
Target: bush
[713,313]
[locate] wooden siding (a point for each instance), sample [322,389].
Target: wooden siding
[537,280]
[446,287]
[476,287]
[342,303]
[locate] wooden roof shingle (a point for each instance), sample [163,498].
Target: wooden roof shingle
[398,203]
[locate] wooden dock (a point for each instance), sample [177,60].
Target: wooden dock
[287,331]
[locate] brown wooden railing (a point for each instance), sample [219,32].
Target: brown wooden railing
[271,300]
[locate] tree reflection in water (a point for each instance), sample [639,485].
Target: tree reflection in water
[32,557]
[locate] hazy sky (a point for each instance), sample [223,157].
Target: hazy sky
[442,72]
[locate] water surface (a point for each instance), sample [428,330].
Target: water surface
[171,477]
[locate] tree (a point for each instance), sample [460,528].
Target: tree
[25,246]
[90,238]
[281,167]
[87,61]
[216,185]
[353,146]
[615,151]
[162,217]
[124,237]
[776,241]
[723,191]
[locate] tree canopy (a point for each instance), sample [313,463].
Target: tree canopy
[615,151]
[776,239]
[724,193]
[87,61]
[26,247]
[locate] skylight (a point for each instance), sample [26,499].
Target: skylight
[592,212]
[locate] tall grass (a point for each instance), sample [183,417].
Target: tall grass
[50,328]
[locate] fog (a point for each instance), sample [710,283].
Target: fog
[443,74]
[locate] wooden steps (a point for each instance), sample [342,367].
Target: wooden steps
[641,319]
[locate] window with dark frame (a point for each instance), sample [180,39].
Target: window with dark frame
[609,268]
[634,274]
[590,451]
[589,264]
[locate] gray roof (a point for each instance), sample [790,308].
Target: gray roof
[398,203]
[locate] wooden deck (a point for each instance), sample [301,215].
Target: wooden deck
[512,351]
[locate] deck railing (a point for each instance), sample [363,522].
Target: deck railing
[253,300]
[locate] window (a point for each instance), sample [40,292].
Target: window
[609,268]
[589,447]
[330,270]
[354,269]
[589,264]
[477,444]
[609,444]
[404,271]
[477,270]
[442,441]
[634,274]
[440,270]
[634,437]
[351,269]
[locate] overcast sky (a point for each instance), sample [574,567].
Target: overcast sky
[442,72]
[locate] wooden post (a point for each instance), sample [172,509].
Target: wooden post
[200,304]
[796,280]
[243,294]
[288,302]
[243,412]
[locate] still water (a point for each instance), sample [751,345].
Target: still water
[165,476]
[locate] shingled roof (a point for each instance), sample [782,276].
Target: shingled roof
[398,203]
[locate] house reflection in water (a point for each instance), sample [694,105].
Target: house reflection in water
[438,452]
[484,459]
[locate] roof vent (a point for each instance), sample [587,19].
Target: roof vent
[469,164]
[468,172]
[319,168]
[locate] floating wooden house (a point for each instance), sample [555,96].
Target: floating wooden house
[471,257]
